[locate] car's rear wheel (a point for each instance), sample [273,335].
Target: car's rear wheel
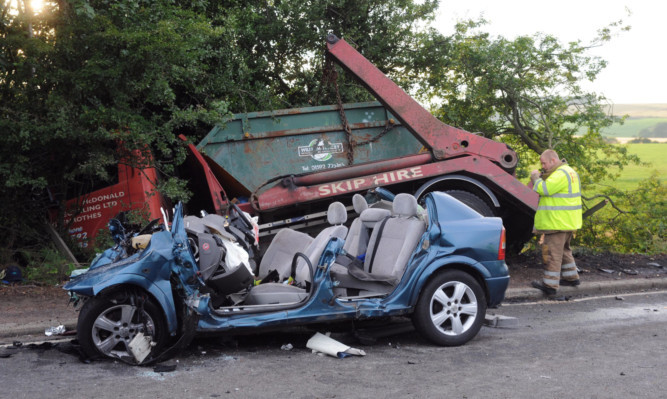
[451,309]
[472,201]
[107,324]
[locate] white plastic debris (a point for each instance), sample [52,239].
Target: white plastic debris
[236,255]
[140,346]
[287,347]
[54,330]
[77,272]
[329,346]
[500,321]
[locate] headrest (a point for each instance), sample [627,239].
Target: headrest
[371,216]
[194,224]
[216,224]
[337,214]
[359,203]
[405,205]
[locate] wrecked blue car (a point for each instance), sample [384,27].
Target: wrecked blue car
[439,263]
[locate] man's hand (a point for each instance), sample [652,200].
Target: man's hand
[534,175]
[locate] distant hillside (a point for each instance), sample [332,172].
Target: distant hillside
[640,110]
[644,120]
[638,127]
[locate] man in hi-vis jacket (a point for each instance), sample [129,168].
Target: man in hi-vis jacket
[558,217]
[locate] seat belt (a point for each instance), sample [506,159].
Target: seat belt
[345,259]
[377,242]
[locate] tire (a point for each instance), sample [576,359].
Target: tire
[451,309]
[472,201]
[108,323]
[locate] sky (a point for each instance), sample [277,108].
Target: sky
[637,60]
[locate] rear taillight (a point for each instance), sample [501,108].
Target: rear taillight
[501,247]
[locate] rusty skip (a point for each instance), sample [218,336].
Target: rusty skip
[362,170]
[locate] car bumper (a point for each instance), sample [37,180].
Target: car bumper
[498,283]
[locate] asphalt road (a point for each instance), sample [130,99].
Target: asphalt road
[594,348]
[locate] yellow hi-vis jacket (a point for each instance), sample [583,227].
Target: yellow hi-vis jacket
[560,200]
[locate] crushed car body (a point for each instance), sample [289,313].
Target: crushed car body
[439,262]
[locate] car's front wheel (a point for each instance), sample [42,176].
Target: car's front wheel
[451,309]
[107,324]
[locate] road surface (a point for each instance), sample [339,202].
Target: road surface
[607,347]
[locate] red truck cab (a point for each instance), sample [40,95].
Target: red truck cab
[89,213]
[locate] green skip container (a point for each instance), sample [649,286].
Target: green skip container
[250,149]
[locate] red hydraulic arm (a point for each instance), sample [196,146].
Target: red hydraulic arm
[217,192]
[443,140]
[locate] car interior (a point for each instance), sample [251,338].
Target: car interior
[378,246]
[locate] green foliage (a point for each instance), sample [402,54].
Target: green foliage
[46,266]
[642,140]
[135,219]
[93,73]
[527,93]
[642,228]
[282,45]
[82,76]
[654,161]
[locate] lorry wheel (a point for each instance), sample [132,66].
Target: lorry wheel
[107,324]
[451,309]
[472,201]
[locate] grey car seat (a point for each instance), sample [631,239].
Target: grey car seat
[389,249]
[278,293]
[398,241]
[356,244]
[357,237]
[279,254]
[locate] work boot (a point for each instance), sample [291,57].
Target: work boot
[570,283]
[540,286]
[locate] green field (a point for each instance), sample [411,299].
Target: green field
[655,154]
[640,117]
[632,127]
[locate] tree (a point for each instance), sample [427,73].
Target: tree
[526,92]
[282,45]
[639,228]
[87,75]
[82,75]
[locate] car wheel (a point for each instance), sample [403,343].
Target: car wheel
[451,309]
[472,201]
[107,324]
